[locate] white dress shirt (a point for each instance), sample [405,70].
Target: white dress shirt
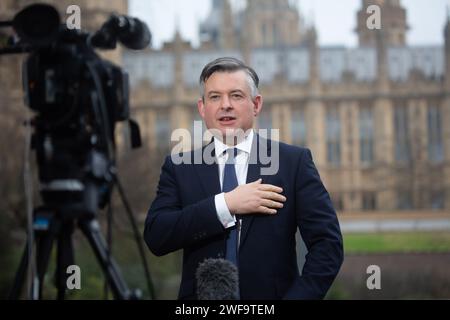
[241,166]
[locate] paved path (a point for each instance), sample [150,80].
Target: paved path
[376,225]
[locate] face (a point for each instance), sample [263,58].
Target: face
[228,104]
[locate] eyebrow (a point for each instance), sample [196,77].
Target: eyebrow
[232,91]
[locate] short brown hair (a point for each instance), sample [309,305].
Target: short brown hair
[229,64]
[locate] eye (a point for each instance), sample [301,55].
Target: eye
[237,96]
[214,97]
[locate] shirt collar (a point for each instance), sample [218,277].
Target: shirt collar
[245,145]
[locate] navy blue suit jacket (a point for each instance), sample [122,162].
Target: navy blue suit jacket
[183,216]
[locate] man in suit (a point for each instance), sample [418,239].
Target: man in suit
[230,209]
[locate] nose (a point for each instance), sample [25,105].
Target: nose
[226,103]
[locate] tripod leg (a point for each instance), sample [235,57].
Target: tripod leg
[65,258]
[44,247]
[19,279]
[91,230]
[44,244]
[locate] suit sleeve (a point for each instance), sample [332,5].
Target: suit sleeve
[319,228]
[169,226]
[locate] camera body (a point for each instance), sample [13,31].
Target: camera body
[78,98]
[56,75]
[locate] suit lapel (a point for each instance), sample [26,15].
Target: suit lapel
[208,174]
[253,174]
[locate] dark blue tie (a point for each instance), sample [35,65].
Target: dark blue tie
[229,183]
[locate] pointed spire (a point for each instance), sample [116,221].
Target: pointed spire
[177,38]
[177,25]
[314,53]
[217,4]
[447,48]
[313,33]
[312,15]
[227,40]
[447,23]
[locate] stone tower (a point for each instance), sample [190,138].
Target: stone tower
[218,30]
[393,23]
[271,23]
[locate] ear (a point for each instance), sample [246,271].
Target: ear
[257,105]
[201,108]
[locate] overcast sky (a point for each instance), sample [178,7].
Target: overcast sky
[334,20]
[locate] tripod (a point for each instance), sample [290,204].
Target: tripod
[50,225]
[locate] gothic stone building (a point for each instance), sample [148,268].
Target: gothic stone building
[374,116]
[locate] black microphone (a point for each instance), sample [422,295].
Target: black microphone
[217,279]
[131,32]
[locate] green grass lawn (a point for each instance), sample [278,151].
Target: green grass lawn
[397,242]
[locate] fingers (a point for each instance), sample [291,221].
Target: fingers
[266,210]
[268,201]
[270,187]
[273,196]
[267,187]
[271,204]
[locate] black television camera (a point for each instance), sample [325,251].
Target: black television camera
[78,98]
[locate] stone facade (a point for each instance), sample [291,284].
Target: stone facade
[374,116]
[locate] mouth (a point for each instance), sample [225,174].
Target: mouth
[227,120]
